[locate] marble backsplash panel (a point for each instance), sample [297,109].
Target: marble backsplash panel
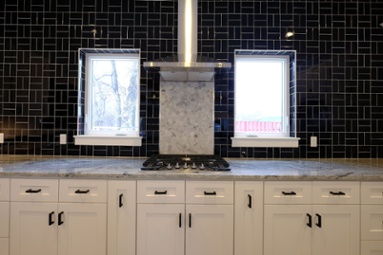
[187,118]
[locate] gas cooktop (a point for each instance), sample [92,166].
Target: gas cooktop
[184,162]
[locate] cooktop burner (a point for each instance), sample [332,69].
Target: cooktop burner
[183,162]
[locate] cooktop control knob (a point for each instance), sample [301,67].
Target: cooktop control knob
[193,166]
[177,166]
[202,167]
[169,167]
[186,166]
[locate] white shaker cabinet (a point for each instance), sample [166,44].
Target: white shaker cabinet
[171,221]
[46,219]
[248,222]
[121,217]
[4,216]
[318,218]
[372,218]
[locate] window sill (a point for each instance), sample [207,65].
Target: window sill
[107,140]
[282,142]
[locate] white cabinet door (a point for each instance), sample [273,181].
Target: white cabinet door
[336,230]
[287,230]
[33,228]
[248,232]
[4,219]
[209,229]
[372,222]
[4,246]
[371,248]
[81,229]
[122,218]
[160,229]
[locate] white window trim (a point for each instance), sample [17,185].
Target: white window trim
[128,139]
[282,142]
[269,140]
[108,140]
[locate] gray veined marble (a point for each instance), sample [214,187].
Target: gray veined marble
[187,118]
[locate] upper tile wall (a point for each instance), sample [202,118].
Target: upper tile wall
[339,68]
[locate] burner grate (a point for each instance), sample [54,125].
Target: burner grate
[184,162]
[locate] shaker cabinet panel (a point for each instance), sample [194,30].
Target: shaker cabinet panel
[4,189]
[82,229]
[4,246]
[83,191]
[248,221]
[121,217]
[159,192]
[33,229]
[209,192]
[287,192]
[336,230]
[160,229]
[34,190]
[371,193]
[4,219]
[209,229]
[372,222]
[336,193]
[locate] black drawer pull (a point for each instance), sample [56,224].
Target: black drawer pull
[33,191]
[250,204]
[61,218]
[190,219]
[339,193]
[309,224]
[160,192]
[120,204]
[82,191]
[291,193]
[50,219]
[319,222]
[210,193]
[180,220]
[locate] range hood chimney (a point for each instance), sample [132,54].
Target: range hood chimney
[187,66]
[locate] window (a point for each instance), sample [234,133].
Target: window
[263,82]
[109,112]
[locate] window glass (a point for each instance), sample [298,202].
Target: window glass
[112,94]
[261,96]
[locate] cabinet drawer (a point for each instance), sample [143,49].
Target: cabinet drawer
[372,222]
[34,190]
[336,192]
[209,192]
[372,193]
[161,192]
[287,192]
[4,189]
[88,191]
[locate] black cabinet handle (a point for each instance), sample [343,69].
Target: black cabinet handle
[339,193]
[61,218]
[319,222]
[250,203]
[189,220]
[291,193]
[50,219]
[82,191]
[33,191]
[180,220]
[309,223]
[207,193]
[160,192]
[120,204]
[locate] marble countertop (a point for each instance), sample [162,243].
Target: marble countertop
[242,169]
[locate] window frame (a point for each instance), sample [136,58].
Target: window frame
[286,138]
[87,136]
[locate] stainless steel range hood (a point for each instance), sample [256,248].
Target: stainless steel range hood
[187,66]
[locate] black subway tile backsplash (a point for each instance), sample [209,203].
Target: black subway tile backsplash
[339,46]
